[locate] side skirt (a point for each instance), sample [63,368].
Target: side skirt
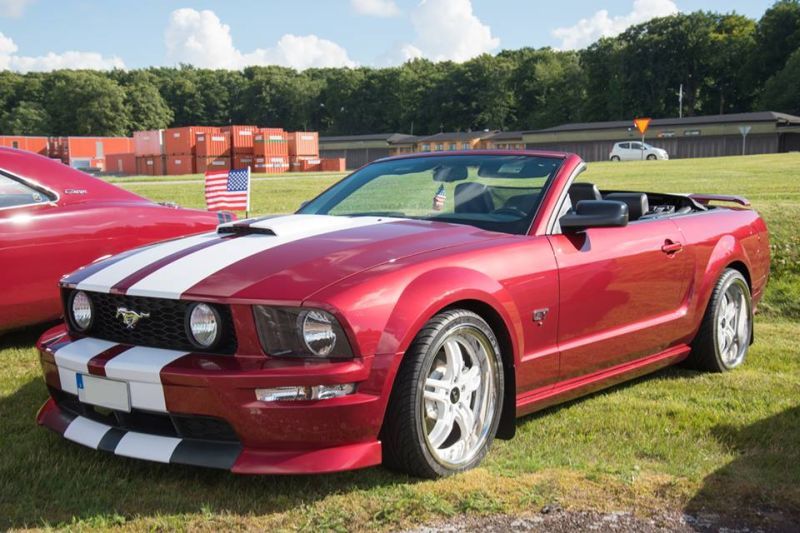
[538,399]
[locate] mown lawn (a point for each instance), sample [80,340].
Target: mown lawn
[677,439]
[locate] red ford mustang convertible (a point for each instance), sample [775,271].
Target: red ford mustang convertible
[407,315]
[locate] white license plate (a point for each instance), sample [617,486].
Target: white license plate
[103,392]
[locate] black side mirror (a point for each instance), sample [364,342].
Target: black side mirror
[595,214]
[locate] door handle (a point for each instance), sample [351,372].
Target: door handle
[671,247]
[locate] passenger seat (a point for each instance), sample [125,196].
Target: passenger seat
[637,203]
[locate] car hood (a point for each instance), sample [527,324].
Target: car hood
[280,259]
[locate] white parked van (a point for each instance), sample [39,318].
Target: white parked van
[636,151]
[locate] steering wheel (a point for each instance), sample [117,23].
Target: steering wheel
[509,210]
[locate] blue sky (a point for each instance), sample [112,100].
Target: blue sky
[46,34]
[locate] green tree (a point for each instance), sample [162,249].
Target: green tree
[26,118]
[86,103]
[777,36]
[148,109]
[782,91]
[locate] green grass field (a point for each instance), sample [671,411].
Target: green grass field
[678,439]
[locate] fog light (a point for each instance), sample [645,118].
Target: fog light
[317,392]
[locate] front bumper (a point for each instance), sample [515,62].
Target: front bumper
[201,409]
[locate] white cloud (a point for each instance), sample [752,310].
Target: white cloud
[9,60]
[13,8]
[201,39]
[446,30]
[376,8]
[588,30]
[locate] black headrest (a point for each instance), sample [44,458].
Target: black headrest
[450,174]
[636,202]
[583,191]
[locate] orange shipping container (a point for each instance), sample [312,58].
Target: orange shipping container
[123,164]
[213,163]
[184,140]
[243,161]
[299,163]
[151,165]
[37,145]
[214,144]
[333,165]
[178,165]
[241,138]
[271,142]
[303,143]
[270,165]
[150,142]
[96,147]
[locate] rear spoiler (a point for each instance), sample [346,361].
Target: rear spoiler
[706,198]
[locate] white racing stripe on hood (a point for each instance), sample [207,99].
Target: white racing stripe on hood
[174,279]
[106,278]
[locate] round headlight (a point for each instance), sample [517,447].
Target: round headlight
[318,333]
[82,311]
[204,324]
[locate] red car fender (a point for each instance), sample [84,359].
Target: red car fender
[439,289]
[728,250]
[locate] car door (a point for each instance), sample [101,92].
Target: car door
[635,151]
[621,292]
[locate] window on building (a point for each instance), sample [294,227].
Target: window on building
[426,147]
[440,147]
[452,146]
[465,146]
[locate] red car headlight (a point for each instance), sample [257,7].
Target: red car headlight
[301,332]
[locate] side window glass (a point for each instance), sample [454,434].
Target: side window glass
[14,193]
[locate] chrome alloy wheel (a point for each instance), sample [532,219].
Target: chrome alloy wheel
[459,396]
[733,325]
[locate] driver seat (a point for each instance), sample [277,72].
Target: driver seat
[473,197]
[583,191]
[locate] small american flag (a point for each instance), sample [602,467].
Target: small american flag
[228,189]
[439,199]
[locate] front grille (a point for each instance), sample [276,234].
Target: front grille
[164,328]
[179,426]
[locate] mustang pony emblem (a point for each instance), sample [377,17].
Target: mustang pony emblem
[130,317]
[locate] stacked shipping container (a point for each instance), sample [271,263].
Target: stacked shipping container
[213,150]
[271,151]
[304,151]
[149,151]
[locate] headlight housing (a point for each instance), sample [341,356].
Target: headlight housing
[81,311]
[301,332]
[203,325]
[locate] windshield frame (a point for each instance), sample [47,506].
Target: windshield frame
[523,225]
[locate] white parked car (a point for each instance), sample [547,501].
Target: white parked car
[636,151]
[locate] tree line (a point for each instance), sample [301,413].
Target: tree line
[726,63]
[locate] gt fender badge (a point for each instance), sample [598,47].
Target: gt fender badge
[130,317]
[539,315]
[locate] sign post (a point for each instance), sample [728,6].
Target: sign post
[641,125]
[744,130]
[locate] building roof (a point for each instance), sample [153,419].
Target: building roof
[507,135]
[391,138]
[457,136]
[758,116]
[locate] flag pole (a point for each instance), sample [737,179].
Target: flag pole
[249,184]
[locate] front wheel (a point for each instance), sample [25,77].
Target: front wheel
[724,336]
[651,157]
[447,398]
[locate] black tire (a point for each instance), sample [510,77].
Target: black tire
[403,436]
[651,157]
[706,354]
[615,158]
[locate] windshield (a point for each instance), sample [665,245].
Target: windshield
[492,192]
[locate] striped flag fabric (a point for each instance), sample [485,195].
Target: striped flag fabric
[228,189]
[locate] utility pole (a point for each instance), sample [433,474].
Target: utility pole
[680,101]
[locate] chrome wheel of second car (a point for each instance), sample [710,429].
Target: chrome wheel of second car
[459,396]
[733,325]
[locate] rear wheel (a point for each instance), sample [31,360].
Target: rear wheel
[615,158]
[446,402]
[724,336]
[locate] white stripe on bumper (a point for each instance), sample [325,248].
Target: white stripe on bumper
[149,447]
[141,368]
[86,432]
[74,358]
